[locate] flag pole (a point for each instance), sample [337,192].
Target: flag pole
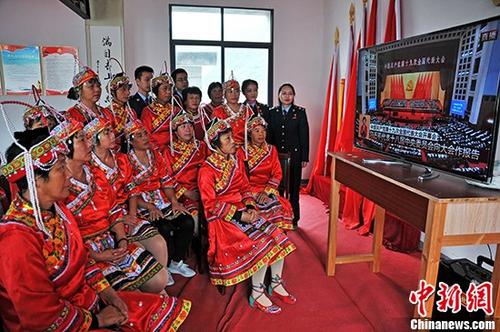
[330,100]
[364,27]
[352,41]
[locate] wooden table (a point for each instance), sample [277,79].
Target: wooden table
[449,211]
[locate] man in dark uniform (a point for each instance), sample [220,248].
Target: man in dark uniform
[288,130]
[143,76]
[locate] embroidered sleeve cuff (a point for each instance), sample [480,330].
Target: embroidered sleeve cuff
[180,190]
[70,318]
[249,201]
[230,211]
[167,182]
[95,278]
[271,191]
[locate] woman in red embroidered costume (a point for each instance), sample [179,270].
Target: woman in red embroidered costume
[158,202]
[117,170]
[264,174]
[235,113]
[127,266]
[156,117]
[241,243]
[200,120]
[61,289]
[185,158]
[87,90]
[119,89]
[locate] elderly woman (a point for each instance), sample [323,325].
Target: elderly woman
[158,202]
[61,288]
[242,244]
[156,117]
[235,113]
[264,174]
[127,266]
[87,90]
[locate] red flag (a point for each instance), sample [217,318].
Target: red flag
[345,141]
[368,207]
[345,137]
[371,35]
[329,126]
[390,25]
[393,24]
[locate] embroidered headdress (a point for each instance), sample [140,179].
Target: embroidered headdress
[85,74]
[94,127]
[256,121]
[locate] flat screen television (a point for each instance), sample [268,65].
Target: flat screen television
[433,99]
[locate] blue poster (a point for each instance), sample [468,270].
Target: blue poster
[21,69]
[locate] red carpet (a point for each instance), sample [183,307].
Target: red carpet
[354,300]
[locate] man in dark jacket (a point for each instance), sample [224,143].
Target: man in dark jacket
[141,99]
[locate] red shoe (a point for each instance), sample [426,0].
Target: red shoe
[288,299]
[272,309]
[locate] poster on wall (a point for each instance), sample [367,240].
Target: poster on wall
[21,69]
[59,65]
[105,43]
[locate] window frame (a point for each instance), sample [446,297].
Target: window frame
[227,44]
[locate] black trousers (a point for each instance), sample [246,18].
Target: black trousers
[295,178]
[178,233]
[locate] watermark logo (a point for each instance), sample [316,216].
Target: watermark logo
[477,297]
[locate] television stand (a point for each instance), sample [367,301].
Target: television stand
[369,161]
[427,175]
[449,211]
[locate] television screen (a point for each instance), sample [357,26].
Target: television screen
[433,99]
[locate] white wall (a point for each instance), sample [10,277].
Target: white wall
[418,17]
[35,22]
[298,46]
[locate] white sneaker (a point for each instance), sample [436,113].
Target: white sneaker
[171,280]
[181,268]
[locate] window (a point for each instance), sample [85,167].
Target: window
[210,42]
